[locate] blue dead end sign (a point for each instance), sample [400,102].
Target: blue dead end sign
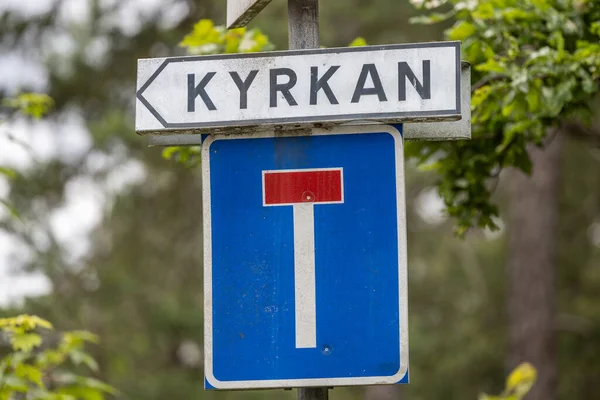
[305,259]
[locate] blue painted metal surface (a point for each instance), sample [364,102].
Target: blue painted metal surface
[359,264]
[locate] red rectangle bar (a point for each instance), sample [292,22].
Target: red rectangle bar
[303,186]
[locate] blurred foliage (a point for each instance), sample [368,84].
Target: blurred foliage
[358,42]
[40,367]
[206,38]
[536,66]
[518,384]
[35,105]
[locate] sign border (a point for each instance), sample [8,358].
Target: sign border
[283,121]
[402,268]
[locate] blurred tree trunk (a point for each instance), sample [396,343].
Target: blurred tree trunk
[532,293]
[385,392]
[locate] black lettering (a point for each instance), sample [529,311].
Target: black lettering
[195,91]
[317,84]
[377,89]
[404,72]
[243,86]
[284,88]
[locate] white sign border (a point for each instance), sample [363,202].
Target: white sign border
[402,269]
[385,118]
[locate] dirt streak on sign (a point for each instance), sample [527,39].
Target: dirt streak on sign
[384,83]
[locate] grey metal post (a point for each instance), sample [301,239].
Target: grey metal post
[303,16]
[313,394]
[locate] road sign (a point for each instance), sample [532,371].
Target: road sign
[294,89]
[240,12]
[305,259]
[453,130]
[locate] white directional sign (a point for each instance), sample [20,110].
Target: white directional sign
[220,93]
[240,12]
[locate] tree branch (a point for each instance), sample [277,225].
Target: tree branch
[487,80]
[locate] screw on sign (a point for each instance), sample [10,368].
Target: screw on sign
[303,189]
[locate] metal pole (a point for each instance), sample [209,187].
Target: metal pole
[313,394]
[303,17]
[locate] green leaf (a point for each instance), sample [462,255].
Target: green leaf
[541,4]
[169,152]
[558,40]
[491,65]
[11,209]
[358,42]
[521,380]
[595,28]
[37,321]
[70,379]
[512,130]
[480,95]
[25,341]
[253,41]
[96,384]
[81,393]
[84,336]
[33,104]
[204,33]
[484,11]
[29,373]
[16,384]
[461,31]
[509,108]
[27,322]
[556,98]
[64,396]
[430,167]
[50,357]
[533,96]
[80,357]
[8,172]
[514,14]
[233,38]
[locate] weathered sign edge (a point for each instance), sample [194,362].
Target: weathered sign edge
[246,16]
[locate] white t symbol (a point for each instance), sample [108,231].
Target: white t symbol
[302,189]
